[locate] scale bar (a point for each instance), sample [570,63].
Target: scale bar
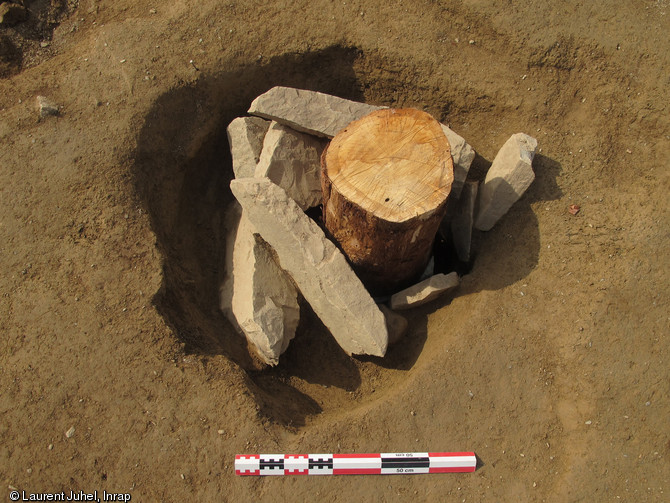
[388,463]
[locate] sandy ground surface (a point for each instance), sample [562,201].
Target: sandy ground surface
[550,362]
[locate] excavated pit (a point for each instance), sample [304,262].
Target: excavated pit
[182,174]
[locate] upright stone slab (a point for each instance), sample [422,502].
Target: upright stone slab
[257,296]
[425,291]
[462,154]
[395,323]
[318,268]
[292,160]
[463,221]
[309,111]
[245,137]
[507,179]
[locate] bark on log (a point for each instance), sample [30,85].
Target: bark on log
[385,181]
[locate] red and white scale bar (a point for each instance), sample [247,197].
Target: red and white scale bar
[355,464]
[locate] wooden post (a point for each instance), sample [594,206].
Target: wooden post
[385,181]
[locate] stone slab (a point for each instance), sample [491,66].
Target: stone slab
[463,221]
[317,267]
[311,112]
[395,323]
[424,291]
[245,137]
[507,179]
[257,296]
[462,154]
[292,160]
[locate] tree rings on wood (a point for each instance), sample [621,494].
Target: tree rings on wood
[385,180]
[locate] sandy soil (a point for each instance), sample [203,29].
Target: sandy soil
[550,362]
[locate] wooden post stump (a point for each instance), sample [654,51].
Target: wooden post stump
[385,181]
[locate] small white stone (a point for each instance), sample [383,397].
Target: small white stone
[70,432]
[507,179]
[317,267]
[47,107]
[425,291]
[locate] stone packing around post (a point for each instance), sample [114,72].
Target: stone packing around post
[277,178]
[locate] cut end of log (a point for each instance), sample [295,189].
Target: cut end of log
[395,164]
[385,181]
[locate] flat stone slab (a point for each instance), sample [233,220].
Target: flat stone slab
[425,291]
[317,267]
[245,137]
[507,179]
[309,111]
[292,160]
[396,324]
[463,221]
[462,154]
[258,297]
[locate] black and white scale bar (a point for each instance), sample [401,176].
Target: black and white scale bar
[355,464]
[406,462]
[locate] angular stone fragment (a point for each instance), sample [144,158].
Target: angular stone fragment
[463,220]
[46,107]
[395,323]
[245,137]
[462,154]
[317,267]
[425,291]
[257,297]
[507,179]
[309,111]
[292,160]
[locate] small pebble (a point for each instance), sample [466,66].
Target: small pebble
[587,422]
[471,42]
[70,432]
[51,447]
[46,107]
[220,432]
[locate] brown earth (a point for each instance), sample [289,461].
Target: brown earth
[550,362]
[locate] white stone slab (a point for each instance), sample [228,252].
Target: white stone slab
[395,323]
[309,111]
[425,291]
[462,154]
[292,160]
[317,267]
[245,137]
[463,221]
[507,179]
[258,297]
